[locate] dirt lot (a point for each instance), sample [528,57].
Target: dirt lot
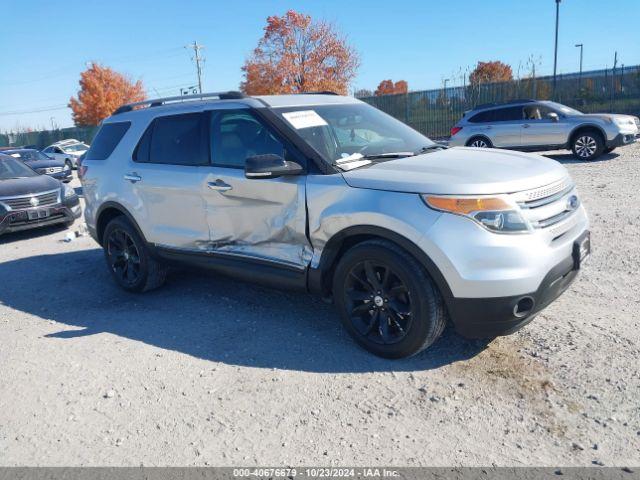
[207,371]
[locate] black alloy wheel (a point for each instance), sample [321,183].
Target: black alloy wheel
[379,302]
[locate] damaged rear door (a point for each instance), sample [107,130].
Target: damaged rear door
[261,219]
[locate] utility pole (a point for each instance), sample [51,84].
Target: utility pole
[613,79]
[555,52]
[197,58]
[580,74]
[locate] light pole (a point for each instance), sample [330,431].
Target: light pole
[580,74]
[555,51]
[445,82]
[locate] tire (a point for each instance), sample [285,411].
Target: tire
[608,149]
[128,258]
[68,163]
[479,142]
[387,301]
[587,145]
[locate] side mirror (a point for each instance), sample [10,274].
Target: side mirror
[553,116]
[269,166]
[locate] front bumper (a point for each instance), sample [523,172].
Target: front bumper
[623,139]
[66,212]
[490,317]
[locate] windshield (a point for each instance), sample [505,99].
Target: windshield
[78,147]
[564,109]
[29,155]
[13,168]
[353,131]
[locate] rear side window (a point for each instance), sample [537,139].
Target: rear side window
[174,140]
[506,114]
[482,117]
[106,140]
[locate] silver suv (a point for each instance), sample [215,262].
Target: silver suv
[324,193]
[530,125]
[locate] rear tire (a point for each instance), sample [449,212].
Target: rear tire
[387,301]
[587,145]
[479,142]
[128,258]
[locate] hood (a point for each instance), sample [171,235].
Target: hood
[44,163]
[607,116]
[28,185]
[459,170]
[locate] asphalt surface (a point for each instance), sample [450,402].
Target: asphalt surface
[210,371]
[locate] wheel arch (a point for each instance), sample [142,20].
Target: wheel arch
[107,212]
[587,126]
[319,279]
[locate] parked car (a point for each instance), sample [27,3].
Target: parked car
[327,194]
[67,150]
[30,200]
[531,125]
[42,163]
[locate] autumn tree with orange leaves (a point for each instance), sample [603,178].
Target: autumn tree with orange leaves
[102,90]
[490,72]
[297,54]
[388,87]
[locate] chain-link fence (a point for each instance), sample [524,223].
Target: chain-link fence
[434,112]
[45,138]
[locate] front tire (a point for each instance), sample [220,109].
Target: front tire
[387,301]
[128,258]
[479,142]
[587,145]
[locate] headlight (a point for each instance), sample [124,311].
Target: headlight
[68,191]
[622,122]
[496,214]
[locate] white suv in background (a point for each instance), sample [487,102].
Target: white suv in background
[531,125]
[327,194]
[68,151]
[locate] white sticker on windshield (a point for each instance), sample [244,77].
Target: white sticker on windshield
[304,119]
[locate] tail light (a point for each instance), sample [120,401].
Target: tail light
[82,170]
[455,130]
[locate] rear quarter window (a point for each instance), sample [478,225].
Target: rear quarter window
[107,140]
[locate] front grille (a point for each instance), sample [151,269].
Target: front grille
[549,206]
[50,170]
[22,202]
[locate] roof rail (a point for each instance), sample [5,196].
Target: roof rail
[321,92]
[510,102]
[156,102]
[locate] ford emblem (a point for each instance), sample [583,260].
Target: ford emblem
[572,202]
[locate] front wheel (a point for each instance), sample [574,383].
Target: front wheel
[387,301]
[129,259]
[68,163]
[588,145]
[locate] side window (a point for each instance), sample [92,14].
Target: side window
[482,117]
[508,114]
[537,112]
[57,150]
[238,134]
[106,140]
[174,140]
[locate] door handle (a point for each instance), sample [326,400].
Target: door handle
[526,125]
[133,177]
[219,186]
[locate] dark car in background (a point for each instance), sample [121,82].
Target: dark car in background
[42,163]
[30,200]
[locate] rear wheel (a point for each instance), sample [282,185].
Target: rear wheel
[387,302]
[479,142]
[129,259]
[588,145]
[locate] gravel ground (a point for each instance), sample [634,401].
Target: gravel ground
[208,371]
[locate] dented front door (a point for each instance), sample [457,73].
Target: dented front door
[258,218]
[262,219]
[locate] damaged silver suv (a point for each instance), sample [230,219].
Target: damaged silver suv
[324,193]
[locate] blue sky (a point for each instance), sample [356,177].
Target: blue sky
[44,45]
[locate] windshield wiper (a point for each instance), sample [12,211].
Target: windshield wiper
[426,148]
[388,155]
